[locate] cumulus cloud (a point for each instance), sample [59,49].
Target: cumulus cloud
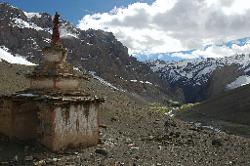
[175,25]
[214,51]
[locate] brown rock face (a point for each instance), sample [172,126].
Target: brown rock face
[221,77]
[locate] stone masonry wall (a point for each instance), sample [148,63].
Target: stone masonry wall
[56,127]
[71,126]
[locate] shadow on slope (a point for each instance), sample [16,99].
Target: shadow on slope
[229,111]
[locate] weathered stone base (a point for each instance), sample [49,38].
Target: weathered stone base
[69,126]
[54,123]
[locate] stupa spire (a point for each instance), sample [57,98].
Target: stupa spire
[56,34]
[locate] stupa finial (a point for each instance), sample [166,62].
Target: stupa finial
[56,34]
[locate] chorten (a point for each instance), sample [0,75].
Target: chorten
[54,73]
[52,110]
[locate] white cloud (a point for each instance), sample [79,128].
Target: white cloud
[175,25]
[236,7]
[216,51]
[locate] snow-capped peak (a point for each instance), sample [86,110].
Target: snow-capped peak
[197,70]
[24,24]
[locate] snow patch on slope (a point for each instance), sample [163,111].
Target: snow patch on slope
[143,82]
[66,32]
[24,24]
[5,55]
[104,82]
[29,15]
[240,81]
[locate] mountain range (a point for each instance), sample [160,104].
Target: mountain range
[204,77]
[23,35]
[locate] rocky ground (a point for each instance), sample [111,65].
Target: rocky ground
[131,134]
[139,137]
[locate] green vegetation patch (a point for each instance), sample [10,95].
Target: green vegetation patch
[186,107]
[156,107]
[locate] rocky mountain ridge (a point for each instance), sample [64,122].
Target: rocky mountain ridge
[203,78]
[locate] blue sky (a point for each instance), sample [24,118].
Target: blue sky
[72,10]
